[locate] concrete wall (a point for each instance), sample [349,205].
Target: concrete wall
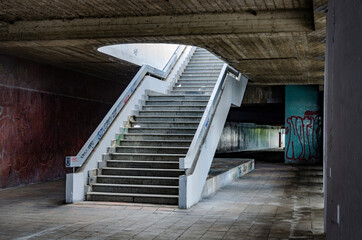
[46,113]
[343,127]
[238,137]
[156,55]
[303,125]
[262,114]
[264,94]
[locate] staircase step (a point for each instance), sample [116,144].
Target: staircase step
[164,124]
[205,92]
[156,136]
[195,67]
[143,164]
[150,149]
[196,74]
[168,118]
[162,130]
[133,197]
[205,60]
[142,172]
[196,88]
[199,82]
[205,64]
[195,84]
[174,107]
[171,113]
[170,181]
[199,78]
[146,156]
[175,103]
[176,97]
[169,143]
[139,189]
[201,50]
[198,55]
[203,53]
[201,71]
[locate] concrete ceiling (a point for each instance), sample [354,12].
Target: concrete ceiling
[273,42]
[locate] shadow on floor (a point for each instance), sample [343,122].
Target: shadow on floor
[270,156]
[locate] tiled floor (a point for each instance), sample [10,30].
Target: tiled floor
[273,202]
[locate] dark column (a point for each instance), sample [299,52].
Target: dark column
[343,126]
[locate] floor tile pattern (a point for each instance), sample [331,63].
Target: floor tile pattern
[275,201]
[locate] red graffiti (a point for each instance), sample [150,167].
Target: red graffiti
[303,136]
[3,137]
[126,98]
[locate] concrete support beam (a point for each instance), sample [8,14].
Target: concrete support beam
[192,24]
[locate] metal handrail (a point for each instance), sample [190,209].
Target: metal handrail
[172,60]
[94,139]
[204,126]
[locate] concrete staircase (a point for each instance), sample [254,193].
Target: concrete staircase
[144,166]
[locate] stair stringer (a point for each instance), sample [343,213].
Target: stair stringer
[192,183]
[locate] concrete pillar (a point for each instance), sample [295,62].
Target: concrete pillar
[343,126]
[303,125]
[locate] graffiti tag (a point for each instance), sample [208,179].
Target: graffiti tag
[2,137]
[303,136]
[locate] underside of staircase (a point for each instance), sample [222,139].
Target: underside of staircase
[143,167]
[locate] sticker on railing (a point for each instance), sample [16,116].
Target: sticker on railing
[207,123]
[126,98]
[70,160]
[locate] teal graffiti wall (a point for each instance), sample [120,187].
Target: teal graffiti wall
[303,124]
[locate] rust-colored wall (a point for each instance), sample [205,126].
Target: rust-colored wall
[46,113]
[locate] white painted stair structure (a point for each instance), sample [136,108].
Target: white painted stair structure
[165,146]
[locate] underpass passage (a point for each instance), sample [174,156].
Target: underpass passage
[275,201]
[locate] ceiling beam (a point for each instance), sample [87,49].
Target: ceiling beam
[157,26]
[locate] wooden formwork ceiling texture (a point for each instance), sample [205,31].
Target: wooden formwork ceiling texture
[273,42]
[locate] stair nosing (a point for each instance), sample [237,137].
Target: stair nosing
[134,185]
[152,147]
[176,141]
[151,154]
[171,111]
[173,95]
[176,101]
[144,169]
[139,177]
[159,134]
[173,106]
[163,122]
[175,116]
[133,194]
[160,128]
[138,161]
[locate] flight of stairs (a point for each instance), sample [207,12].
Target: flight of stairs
[144,167]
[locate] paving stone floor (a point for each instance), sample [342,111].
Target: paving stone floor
[274,202]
